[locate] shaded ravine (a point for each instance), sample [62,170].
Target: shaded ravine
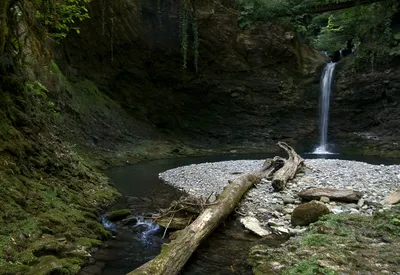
[224,252]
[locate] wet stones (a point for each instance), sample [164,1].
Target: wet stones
[118,215]
[309,212]
[254,226]
[375,182]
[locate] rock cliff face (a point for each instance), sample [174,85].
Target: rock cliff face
[253,86]
[365,113]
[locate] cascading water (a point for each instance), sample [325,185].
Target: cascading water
[326,83]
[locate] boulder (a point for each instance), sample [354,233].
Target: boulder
[324,199]
[177,223]
[309,212]
[393,198]
[118,215]
[333,194]
[254,226]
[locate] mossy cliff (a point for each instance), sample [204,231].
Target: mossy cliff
[49,197]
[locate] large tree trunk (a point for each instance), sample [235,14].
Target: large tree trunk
[174,255]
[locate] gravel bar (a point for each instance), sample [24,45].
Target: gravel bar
[374,181]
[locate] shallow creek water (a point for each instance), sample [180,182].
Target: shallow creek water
[133,244]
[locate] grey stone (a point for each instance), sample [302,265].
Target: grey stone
[202,179]
[288,200]
[254,226]
[324,199]
[280,230]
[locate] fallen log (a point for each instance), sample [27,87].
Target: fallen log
[289,169]
[333,194]
[174,255]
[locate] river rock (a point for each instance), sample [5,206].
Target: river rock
[309,212]
[176,223]
[280,230]
[129,221]
[118,215]
[288,200]
[343,195]
[324,199]
[393,198]
[254,226]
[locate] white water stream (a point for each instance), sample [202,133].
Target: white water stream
[326,83]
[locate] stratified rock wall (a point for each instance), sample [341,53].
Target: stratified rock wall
[253,86]
[365,113]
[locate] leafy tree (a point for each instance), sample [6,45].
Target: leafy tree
[366,27]
[21,18]
[60,16]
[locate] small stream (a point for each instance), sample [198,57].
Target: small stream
[138,241]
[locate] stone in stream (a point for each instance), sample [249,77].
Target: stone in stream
[343,195]
[309,212]
[129,220]
[324,199]
[118,215]
[393,198]
[254,226]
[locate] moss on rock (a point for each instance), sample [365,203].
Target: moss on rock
[309,212]
[49,196]
[337,244]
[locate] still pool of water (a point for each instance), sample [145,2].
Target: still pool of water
[224,252]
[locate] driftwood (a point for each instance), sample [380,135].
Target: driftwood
[289,169]
[333,194]
[174,255]
[182,212]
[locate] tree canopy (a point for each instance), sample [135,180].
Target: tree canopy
[365,28]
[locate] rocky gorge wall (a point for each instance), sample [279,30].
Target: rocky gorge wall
[365,113]
[253,87]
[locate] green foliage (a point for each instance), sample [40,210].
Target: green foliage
[309,267]
[367,27]
[187,20]
[254,10]
[184,25]
[195,41]
[316,240]
[60,16]
[41,105]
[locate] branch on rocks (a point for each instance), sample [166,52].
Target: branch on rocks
[290,168]
[174,255]
[182,212]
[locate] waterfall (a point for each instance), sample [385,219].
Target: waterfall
[341,54]
[326,83]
